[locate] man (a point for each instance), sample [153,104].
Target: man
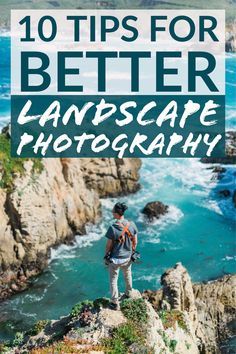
[121,243]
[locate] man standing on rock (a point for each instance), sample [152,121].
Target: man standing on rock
[120,246]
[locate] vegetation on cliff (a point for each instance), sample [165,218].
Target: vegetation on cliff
[11,167]
[132,332]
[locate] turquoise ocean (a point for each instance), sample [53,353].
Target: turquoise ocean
[199,229]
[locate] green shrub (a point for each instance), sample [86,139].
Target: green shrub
[10,167]
[187,345]
[135,310]
[170,343]
[38,327]
[5,347]
[170,318]
[18,340]
[101,302]
[76,310]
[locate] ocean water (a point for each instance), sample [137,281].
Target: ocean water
[199,230]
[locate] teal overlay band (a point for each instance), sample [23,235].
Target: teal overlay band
[70,133]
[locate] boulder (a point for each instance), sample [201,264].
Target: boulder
[224,193]
[154,210]
[219,169]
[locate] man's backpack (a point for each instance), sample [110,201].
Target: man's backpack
[126,231]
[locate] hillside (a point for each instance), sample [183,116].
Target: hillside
[7,5]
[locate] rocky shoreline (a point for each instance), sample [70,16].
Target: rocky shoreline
[180,318]
[230,151]
[47,208]
[229,159]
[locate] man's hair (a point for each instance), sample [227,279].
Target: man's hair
[120,208]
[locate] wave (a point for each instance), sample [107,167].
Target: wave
[4,121]
[219,204]
[229,258]
[231,71]
[212,205]
[230,84]
[5,33]
[149,278]
[69,251]
[173,216]
[190,173]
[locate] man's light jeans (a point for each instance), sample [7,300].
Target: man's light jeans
[114,273]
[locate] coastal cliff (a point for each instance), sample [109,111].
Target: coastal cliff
[48,206]
[211,307]
[181,318]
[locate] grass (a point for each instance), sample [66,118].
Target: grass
[11,167]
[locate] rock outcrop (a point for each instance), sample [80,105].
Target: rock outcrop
[136,328]
[216,308]
[45,209]
[180,318]
[210,307]
[178,292]
[154,210]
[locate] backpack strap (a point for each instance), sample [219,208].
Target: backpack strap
[125,231]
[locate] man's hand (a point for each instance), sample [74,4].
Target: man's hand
[134,242]
[107,259]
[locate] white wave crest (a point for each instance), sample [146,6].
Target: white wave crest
[4,121]
[190,174]
[155,228]
[87,240]
[148,278]
[229,258]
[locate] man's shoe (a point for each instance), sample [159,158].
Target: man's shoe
[114,306]
[125,296]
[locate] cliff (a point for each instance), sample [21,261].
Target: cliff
[211,307]
[180,318]
[45,207]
